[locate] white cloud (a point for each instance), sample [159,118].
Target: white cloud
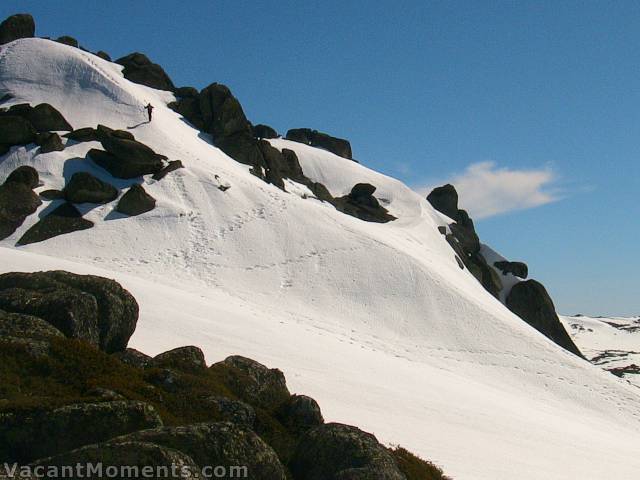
[486,190]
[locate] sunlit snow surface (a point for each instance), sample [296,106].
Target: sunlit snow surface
[375,321]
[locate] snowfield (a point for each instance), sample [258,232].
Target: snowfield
[375,321]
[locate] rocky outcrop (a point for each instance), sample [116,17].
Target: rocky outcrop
[86,188]
[103,55]
[42,117]
[133,357]
[17,199]
[315,138]
[335,451]
[49,142]
[67,40]
[264,131]
[136,201]
[361,203]
[531,302]
[139,69]
[300,413]
[18,326]
[171,166]
[86,134]
[235,411]
[445,200]
[264,386]
[64,219]
[17,26]
[61,429]
[222,444]
[519,269]
[15,130]
[126,158]
[91,308]
[187,359]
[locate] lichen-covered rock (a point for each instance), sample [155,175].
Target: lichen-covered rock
[62,429]
[133,357]
[127,457]
[188,359]
[17,26]
[83,187]
[222,444]
[235,411]
[64,219]
[26,326]
[531,302]
[139,69]
[300,413]
[258,384]
[334,451]
[136,201]
[95,309]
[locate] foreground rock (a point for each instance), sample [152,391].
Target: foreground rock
[335,451]
[182,358]
[17,199]
[300,413]
[64,219]
[15,130]
[339,146]
[17,26]
[136,201]
[69,427]
[139,69]
[49,142]
[86,188]
[42,117]
[91,308]
[126,158]
[531,302]
[222,444]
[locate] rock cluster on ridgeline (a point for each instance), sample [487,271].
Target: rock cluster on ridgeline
[17,199]
[17,26]
[68,400]
[528,299]
[139,69]
[339,146]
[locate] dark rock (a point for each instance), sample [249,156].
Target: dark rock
[314,138]
[187,359]
[186,92]
[45,118]
[86,134]
[291,168]
[172,165]
[103,55]
[264,131]
[64,219]
[85,188]
[102,131]
[136,201]
[121,134]
[442,230]
[361,203]
[49,142]
[222,444]
[17,26]
[466,236]
[17,202]
[222,113]
[132,158]
[320,191]
[139,69]
[16,130]
[486,275]
[52,194]
[363,193]
[127,457]
[335,451]
[26,326]
[274,164]
[189,108]
[105,394]
[300,413]
[67,40]
[125,167]
[519,269]
[445,200]
[235,411]
[460,262]
[258,384]
[133,357]
[25,174]
[4,149]
[69,427]
[531,302]
[243,148]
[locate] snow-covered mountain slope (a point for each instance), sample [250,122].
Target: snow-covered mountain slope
[375,321]
[612,343]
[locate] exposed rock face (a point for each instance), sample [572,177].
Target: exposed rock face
[85,188]
[221,444]
[186,92]
[171,166]
[64,219]
[86,134]
[17,199]
[314,138]
[70,427]
[15,325]
[221,112]
[182,358]
[139,69]
[103,55]
[17,26]
[531,302]
[136,201]
[361,203]
[45,118]
[300,413]
[519,269]
[67,40]
[335,451]
[16,130]
[91,308]
[264,131]
[234,411]
[133,357]
[264,386]
[49,142]
[126,158]
[445,200]
[128,455]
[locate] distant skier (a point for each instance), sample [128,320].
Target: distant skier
[149,109]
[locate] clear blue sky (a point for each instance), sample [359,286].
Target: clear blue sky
[425,89]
